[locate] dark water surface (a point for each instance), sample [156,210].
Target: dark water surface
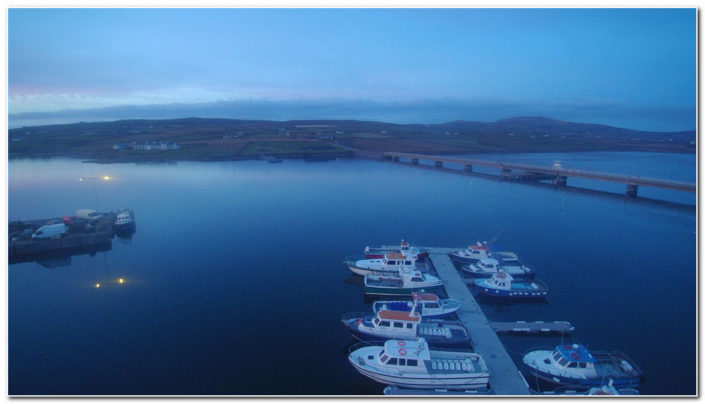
[234,282]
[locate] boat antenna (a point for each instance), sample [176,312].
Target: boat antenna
[497,236]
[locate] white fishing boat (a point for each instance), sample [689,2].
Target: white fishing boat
[427,304]
[486,267]
[575,365]
[478,251]
[390,263]
[404,248]
[404,282]
[410,363]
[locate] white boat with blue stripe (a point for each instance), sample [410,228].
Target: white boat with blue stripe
[574,365]
[404,282]
[411,364]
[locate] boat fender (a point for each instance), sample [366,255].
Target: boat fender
[626,366]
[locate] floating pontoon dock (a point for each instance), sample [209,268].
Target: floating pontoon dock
[535,327]
[505,378]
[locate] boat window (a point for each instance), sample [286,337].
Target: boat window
[384,323]
[402,362]
[572,365]
[409,325]
[391,262]
[411,362]
[384,358]
[398,325]
[407,262]
[416,279]
[432,305]
[392,361]
[556,356]
[583,365]
[376,321]
[562,361]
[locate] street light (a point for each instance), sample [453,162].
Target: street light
[95,192]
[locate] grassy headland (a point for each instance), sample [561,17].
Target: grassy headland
[228,139]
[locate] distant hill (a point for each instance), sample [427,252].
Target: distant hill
[219,139]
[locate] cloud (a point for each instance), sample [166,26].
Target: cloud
[609,112]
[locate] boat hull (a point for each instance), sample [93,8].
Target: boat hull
[378,290]
[432,340]
[452,382]
[462,258]
[365,271]
[478,274]
[561,380]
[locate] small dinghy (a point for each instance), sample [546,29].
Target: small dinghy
[426,304]
[575,365]
[503,285]
[410,363]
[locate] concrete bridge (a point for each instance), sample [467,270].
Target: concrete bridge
[557,174]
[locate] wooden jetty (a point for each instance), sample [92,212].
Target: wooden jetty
[557,174]
[532,327]
[400,391]
[505,378]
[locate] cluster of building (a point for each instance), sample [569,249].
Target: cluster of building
[162,145]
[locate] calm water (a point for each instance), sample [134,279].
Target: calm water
[235,282]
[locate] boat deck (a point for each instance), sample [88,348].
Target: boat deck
[536,327]
[447,366]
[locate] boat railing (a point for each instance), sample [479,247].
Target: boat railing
[358,345]
[352,315]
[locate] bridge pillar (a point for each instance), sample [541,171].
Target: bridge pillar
[560,180]
[395,158]
[415,161]
[439,164]
[468,168]
[506,173]
[631,190]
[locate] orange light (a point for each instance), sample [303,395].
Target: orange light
[121,280]
[106,177]
[97,285]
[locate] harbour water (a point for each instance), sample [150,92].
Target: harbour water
[234,282]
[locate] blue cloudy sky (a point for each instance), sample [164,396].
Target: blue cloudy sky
[633,68]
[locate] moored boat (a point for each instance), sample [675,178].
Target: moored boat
[476,252]
[426,304]
[124,218]
[389,263]
[404,282]
[412,364]
[405,248]
[575,365]
[393,324]
[503,285]
[486,267]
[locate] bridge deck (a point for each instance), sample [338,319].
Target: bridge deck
[505,378]
[562,172]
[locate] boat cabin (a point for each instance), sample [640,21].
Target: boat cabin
[404,322]
[398,259]
[501,280]
[488,265]
[426,300]
[406,355]
[572,357]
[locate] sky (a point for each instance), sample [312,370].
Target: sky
[633,68]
